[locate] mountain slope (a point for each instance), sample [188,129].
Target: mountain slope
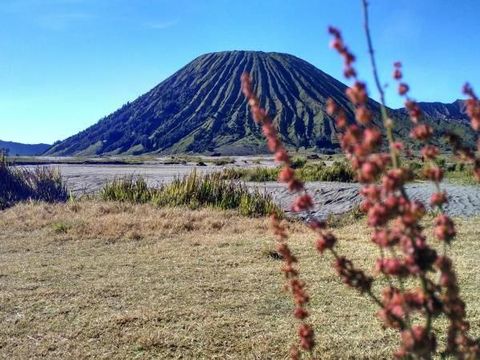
[201,108]
[455,111]
[14,148]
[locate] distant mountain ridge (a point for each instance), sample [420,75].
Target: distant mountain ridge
[200,109]
[454,111]
[15,148]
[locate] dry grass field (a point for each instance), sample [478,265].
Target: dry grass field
[108,280]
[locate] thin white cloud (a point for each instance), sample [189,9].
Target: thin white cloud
[161,25]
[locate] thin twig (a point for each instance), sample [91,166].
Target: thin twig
[371,53]
[387,122]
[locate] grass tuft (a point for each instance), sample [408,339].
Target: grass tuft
[127,189]
[194,191]
[458,173]
[338,171]
[20,184]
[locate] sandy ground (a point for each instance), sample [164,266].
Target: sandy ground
[337,198]
[330,197]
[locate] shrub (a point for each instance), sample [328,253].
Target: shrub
[440,161]
[47,185]
[175,161]
[421,283]
[223,161]
[21,184]
[61,227]
[256,174]
[298,162]
[127,189]
[457,172]
[338,171]
[193,191]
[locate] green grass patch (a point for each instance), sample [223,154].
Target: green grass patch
[338,171]
[460,173]
[255,174]
[223,161]
[194,191]
[454,172]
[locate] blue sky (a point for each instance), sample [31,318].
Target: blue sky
[64,64]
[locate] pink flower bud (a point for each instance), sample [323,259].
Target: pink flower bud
[363,115]
[391,267]
[430,152]
[349,72]
[331,107]
[326,241]
[372,138]
[403,88]
[397,74]
[422,132]
[300,313]
[303,202]
[368,172]
[434,174]
[357,93]
[444,228]
[305,332]
[438,199]
[282,156]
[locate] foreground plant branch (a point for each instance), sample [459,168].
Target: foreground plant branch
[303,202]
[394,218]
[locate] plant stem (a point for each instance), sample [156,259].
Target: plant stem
[387,277]
[387,122]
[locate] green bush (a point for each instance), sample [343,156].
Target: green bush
[460,173]
[194,191]
[20,184]
[223,161]
[127,189]
[256,174]
[441,161]
[61,227]
[450,168]
[338,171]
[298,163]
